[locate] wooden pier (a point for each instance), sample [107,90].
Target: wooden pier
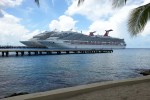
[7,52]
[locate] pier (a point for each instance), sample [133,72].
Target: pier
[29,52]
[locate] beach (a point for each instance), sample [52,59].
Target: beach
[140,91]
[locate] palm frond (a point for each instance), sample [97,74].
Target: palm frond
[37,2]
[138,19]
[80,2]
[118,3]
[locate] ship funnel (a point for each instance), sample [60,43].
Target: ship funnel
[92,33]
[107,32]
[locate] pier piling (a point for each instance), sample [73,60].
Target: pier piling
[58,52]
[3,54]
[16,53]
[75,52]
[36,52]
[7,53]
[40,53]
[49,52]
[29,53]
[22,53]
[67,52]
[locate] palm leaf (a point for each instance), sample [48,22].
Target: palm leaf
[118,3]
[80,2]
[138,19]
[37,2]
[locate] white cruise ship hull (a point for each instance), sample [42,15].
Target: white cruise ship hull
[61,45]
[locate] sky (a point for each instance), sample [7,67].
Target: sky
[22,19]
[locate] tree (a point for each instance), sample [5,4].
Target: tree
[138,17]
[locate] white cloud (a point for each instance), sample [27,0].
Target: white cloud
[115,22]
[29,35]
[11,31]
[64,23]
[146,30]
[92,9]
[1,15]
[9,3]
[146,1]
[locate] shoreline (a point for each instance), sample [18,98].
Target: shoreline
[87,92]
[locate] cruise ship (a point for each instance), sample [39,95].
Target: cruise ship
[75,40]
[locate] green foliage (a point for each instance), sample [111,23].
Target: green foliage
[138,19]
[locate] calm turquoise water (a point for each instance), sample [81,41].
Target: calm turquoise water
[42,73]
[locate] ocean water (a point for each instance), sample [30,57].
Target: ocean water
[46,72]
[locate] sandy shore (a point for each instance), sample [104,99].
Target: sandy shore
[140,91]
[129,89]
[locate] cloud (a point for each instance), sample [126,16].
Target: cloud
[146,1]
[146,30]
[29,35]
[9,3]
[63,23]
[92,9]
[1,15]
[11,31]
